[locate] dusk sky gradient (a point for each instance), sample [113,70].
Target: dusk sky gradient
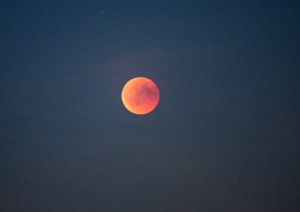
[224,137]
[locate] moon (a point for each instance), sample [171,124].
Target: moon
[140,95]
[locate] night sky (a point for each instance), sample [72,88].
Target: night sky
[224,137]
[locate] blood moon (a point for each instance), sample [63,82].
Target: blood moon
[140,95]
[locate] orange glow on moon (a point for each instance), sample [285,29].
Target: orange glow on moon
[140,95]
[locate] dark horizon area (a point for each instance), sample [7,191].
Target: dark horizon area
[224,136]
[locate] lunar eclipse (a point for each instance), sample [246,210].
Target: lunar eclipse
[140,95]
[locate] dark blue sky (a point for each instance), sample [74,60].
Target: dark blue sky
[224,137]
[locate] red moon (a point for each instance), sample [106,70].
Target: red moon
[140,95]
